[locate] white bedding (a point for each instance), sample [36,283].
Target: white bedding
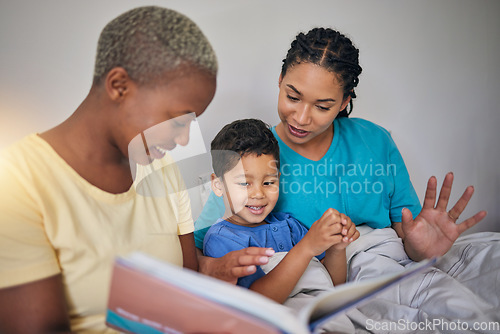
[460,294]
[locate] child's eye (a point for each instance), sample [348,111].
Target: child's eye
[269,183]
[243,184]
[292,98]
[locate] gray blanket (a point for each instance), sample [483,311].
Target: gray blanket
[461,294]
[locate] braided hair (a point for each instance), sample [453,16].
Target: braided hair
[331,50]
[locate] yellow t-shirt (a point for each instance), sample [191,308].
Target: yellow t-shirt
[54,221]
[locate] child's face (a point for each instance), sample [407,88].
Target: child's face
[251,189]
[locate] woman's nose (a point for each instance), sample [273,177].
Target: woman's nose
[182,137]
[303,115]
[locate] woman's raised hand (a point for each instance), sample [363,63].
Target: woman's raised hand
[434,230]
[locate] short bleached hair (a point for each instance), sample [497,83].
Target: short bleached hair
[149,42]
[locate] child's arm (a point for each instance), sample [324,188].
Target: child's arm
[279,282]
[335,258]
[336,263]
[189,257]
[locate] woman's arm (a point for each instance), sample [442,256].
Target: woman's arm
[37,307]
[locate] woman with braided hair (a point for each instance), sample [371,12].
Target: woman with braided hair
[329,160]
[368,179]
[351,164]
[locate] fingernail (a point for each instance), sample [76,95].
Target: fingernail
[251,269]
[270,252]
[263,259]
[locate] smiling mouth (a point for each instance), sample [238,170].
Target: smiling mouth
[157,152]
[256,210]
[297,132]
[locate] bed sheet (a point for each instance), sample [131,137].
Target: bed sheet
[461,293]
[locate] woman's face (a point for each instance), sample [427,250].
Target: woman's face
[157,119]
[309,99]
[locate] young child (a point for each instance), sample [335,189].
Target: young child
[245,159]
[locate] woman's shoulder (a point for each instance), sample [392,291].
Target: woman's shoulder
[25,147]
[366,136]
[25,156]
[360,124]
[362,129]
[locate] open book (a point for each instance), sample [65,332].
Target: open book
[151,296]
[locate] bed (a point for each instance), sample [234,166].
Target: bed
[460,294]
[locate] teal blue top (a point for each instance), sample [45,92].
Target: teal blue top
[362,175]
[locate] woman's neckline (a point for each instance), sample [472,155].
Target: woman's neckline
[82,180]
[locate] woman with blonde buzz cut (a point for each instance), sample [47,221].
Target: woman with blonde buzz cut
[71,204]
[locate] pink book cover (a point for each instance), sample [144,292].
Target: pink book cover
[141,303]
[148,296]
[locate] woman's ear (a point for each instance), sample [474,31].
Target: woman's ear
[217,186]
[280,79]
[117,83]
[345,103]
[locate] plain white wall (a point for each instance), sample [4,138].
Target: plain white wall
[430,72]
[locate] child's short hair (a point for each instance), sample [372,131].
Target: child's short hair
[246,136]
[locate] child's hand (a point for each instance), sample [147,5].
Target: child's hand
[325,232]
[349,233]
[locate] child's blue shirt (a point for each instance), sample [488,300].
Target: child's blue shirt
[281,233]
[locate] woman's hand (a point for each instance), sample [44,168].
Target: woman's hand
[434,230]
[234,264]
